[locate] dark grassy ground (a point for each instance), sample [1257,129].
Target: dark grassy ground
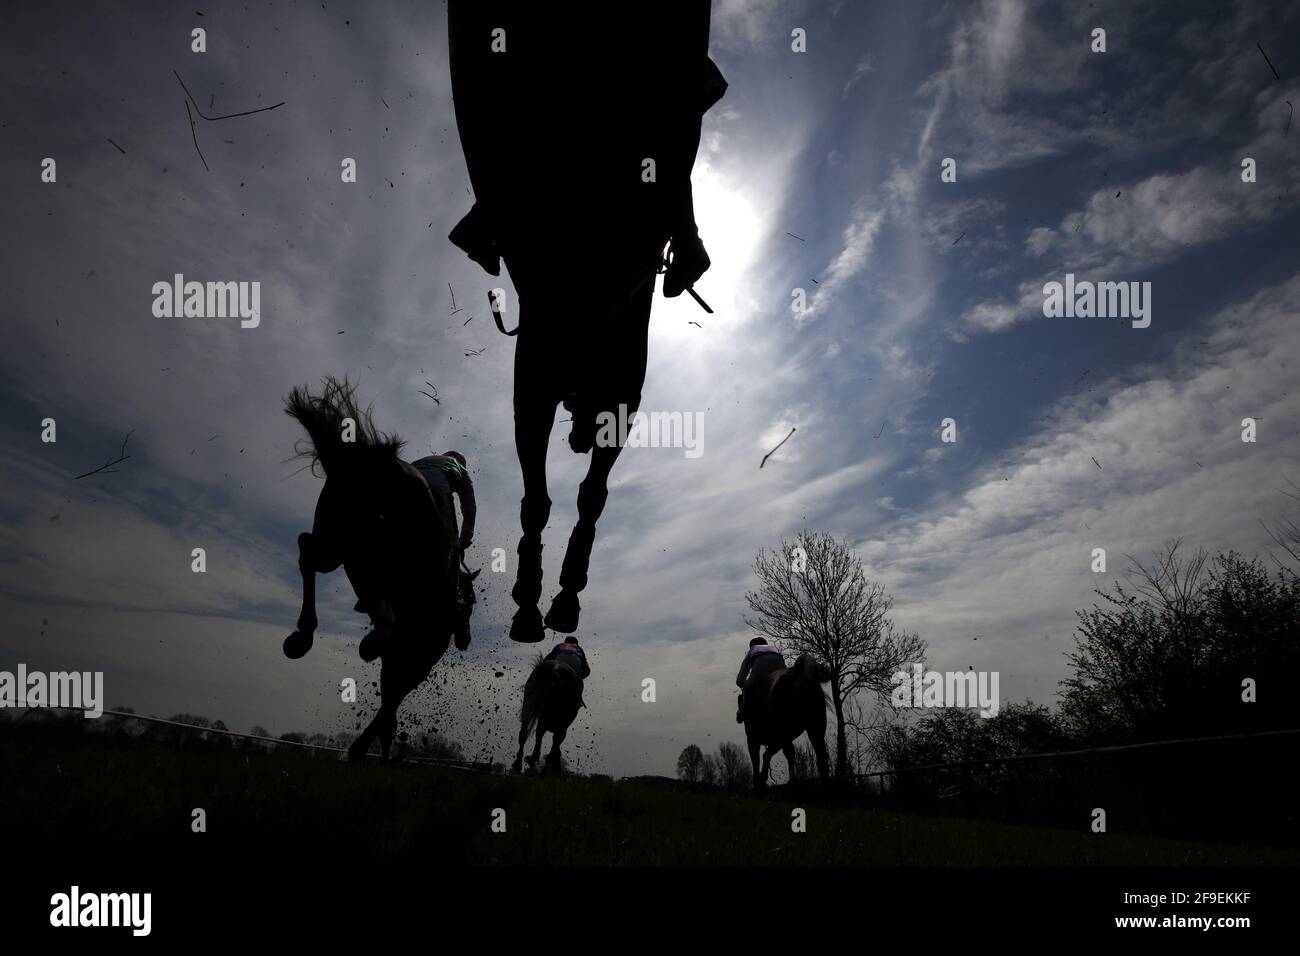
[108,797]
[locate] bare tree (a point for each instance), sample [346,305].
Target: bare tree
[1285,534]
[814,597]
[708,772]
[732,765]
[865,725]
[690,764]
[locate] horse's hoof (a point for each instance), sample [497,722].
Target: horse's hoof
[462,636]
[297,644]
[563,615]
[372,645]
[526,627]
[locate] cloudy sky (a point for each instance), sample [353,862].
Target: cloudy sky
[924,303]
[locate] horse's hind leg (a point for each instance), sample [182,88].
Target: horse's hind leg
[823,758]
[618,387]
[553,764]
[518,765]
[592,495]
[384,726]
[379,725]
[756,765]
[532,758]
[788,750]
[526,717]
[361,745]
[387,720]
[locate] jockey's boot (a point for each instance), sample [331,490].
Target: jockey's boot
[740,708]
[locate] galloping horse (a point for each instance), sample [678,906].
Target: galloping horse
[552,697]
[779,708]
[376,517]
[579,135]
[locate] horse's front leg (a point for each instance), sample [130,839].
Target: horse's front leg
[307,565]
[534,409]
[311,559]
[592,495]
[617,390]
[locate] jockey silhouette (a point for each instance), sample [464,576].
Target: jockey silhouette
[759,661]
[579,133]
[569,654]
[446,475]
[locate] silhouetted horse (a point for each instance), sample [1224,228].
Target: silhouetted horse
[579,133]
[779,708]
[376,517]
[552,697]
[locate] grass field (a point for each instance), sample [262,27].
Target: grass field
[113,797]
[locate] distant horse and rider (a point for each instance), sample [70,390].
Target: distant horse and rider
[779,704]
[552,698]
[395,536]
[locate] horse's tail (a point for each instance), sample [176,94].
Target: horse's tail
[324,418]
[535,691]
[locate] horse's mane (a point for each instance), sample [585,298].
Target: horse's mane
[323,416]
